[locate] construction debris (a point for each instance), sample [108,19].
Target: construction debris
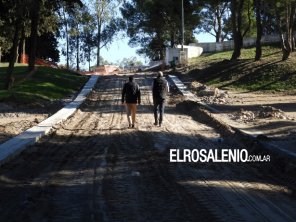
[213,100]
[197,86]
[243,115]
[210,95]
[208,92]
[264,112]
[271,112]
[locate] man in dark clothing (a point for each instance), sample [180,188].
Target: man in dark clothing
[131,94]
[160,88]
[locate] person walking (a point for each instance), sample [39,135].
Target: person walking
[131,95]
[160,89]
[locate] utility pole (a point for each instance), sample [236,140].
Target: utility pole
[183,55]
[182,25]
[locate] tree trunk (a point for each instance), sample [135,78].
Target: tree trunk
[285,50]
[67,50]
[236,9]
[291,19]
[234,28]
[286,43]
[22,46]
[88,58]
[34,34]
[13,54]
[24,51]
[0,54]
[17,54]
[67,37]
[99,42]
[219,28]
[172,39]
[77,51]
[259,30]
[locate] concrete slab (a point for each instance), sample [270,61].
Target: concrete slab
[251,134]
[15,145]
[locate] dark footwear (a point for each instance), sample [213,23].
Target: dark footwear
[133,126]
[129,125]
[155,123]
[160,125]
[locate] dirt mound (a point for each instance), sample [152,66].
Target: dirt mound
[271,112]
[209,95]
[264,112]
[18,117]
[244,115]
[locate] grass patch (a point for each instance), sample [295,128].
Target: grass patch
[270,73]
[45,84]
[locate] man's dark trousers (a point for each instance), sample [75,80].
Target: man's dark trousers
[158,107]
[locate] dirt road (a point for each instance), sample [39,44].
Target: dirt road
[93,168]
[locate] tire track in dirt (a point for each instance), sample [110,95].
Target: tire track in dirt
[134,148]
[251,204]
[95,169]
[61,152]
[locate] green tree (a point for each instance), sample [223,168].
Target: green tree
[6,30]
[16,12]
[258,11]
[215,19]
[47,47]
[35,9]
[88,38]
[107,22]
[285,18]
[129,62]
[19,15]
[154,25]
[241,19]
[75,25]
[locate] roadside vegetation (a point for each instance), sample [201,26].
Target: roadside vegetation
[246,74]
[44,85]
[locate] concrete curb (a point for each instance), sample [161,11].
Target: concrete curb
[252,135]
[14,146]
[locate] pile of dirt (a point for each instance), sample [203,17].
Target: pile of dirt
[210,95]
[214,100]
[271,112]
[17,127]
[264,112]
[243,115]
[15,118]
[12,124]
[177,99]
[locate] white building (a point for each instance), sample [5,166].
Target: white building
[173,54]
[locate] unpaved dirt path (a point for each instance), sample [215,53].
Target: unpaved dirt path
[93,168]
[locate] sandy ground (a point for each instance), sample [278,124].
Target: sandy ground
[280,132]
[93,168]
[272,127]
[16,118]
[279,100]
[14,123]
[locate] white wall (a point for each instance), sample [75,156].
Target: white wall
[229,45]
[174,53]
